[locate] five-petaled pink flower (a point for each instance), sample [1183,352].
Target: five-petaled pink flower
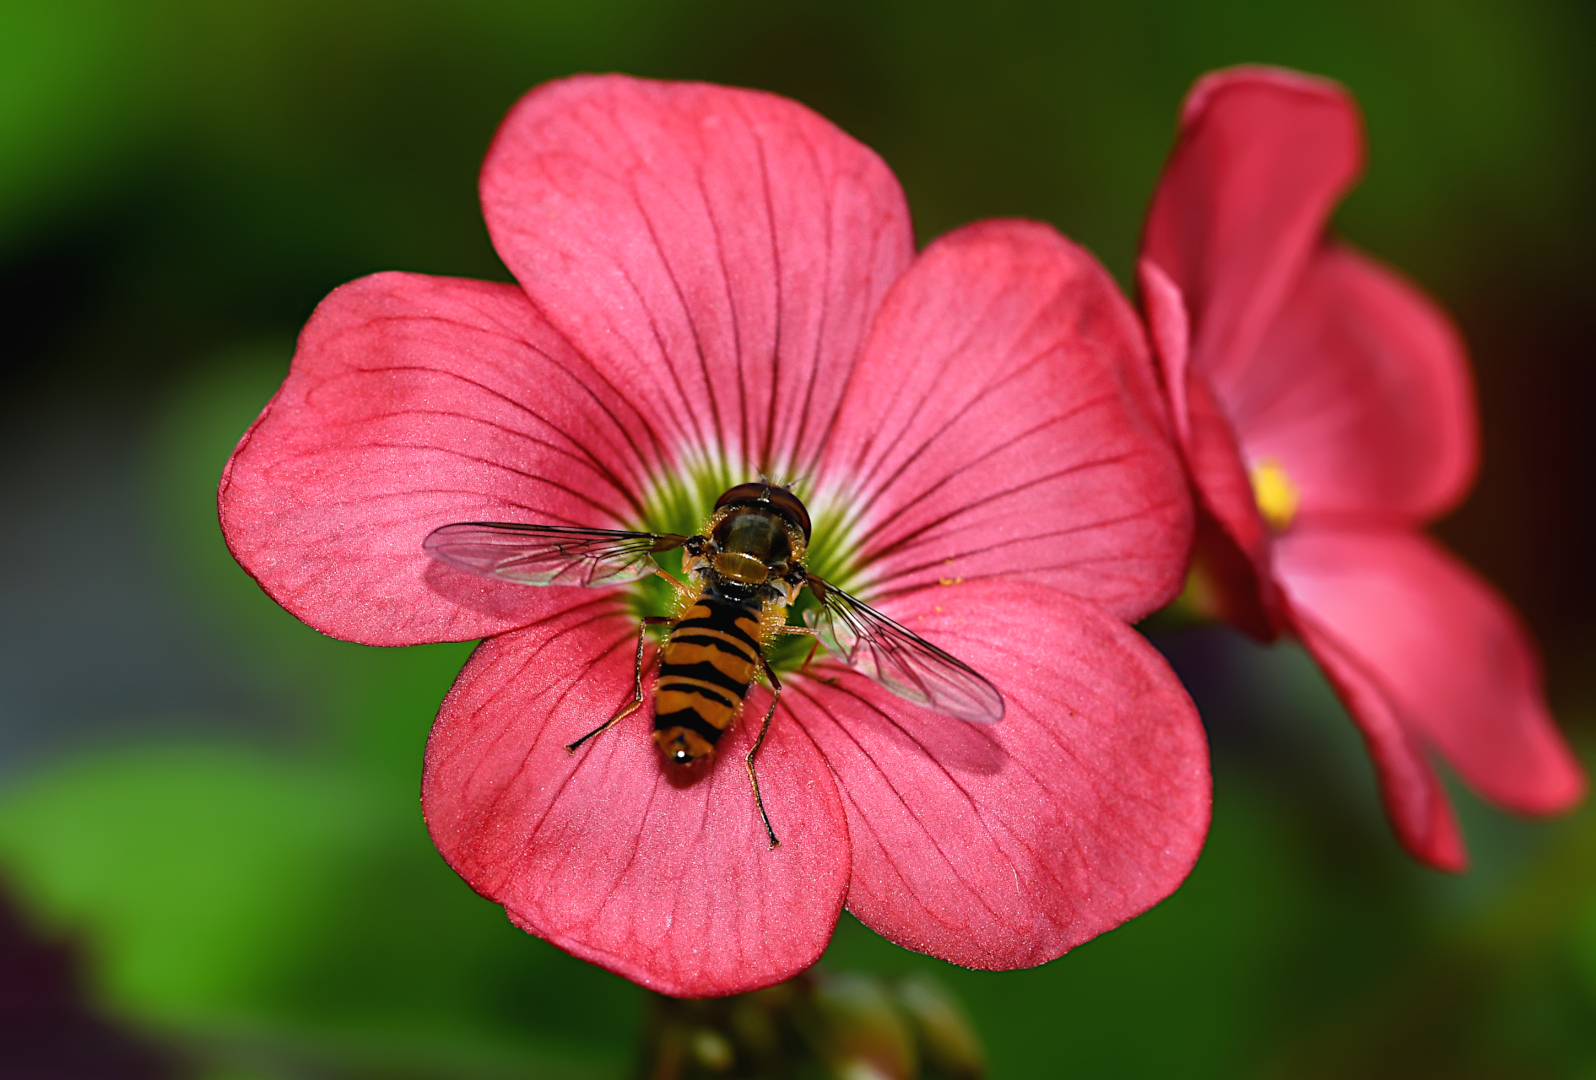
[713,285]
[1325,410]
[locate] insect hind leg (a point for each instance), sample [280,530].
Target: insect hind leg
[637,685]
[764,727]
[814,643]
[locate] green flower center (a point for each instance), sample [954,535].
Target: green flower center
[682,501]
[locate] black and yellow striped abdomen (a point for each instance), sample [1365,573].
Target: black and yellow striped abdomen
[712,655]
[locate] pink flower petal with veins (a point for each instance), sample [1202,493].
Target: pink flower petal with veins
[1004,420]
[721,252]
[1003,846]
[666,878]
[414,402]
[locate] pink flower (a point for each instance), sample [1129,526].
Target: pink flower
[1325,411]
[715,284]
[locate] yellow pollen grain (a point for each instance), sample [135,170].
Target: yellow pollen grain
[1276,495]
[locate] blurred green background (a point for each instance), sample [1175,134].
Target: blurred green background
[215,807]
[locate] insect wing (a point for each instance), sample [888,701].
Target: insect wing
[900,659]
[549,554]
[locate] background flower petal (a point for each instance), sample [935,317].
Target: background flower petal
[1361,391]
[414,402]
[1415,800]
[1263,155]
[720,250]
[1169,331]
[1231,542]
[1449,652]
[1005,420]
[1004,845]
[673,886]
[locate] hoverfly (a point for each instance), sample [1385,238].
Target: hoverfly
[742,574]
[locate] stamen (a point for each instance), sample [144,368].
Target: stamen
[1276,495]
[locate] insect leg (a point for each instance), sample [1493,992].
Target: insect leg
[684,591]
[753,778]
[637,684]
[813,644]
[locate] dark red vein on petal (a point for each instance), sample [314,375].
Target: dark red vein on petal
[499,465]
[969,799]
[692,322]
[971,507]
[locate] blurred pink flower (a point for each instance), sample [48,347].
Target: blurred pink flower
[1325,410]
[714,284]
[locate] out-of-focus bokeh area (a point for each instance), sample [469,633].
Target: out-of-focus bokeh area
[208,813]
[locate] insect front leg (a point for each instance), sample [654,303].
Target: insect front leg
[685,592]
[753,778]
[637,684]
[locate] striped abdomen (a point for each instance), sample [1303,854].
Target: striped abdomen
[712,655]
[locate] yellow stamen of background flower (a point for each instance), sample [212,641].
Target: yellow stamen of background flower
[1276,495]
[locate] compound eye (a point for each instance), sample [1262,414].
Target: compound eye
[789,505]
[794,509]
[742,493]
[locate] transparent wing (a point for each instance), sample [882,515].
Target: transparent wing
[549,554]
[900,659]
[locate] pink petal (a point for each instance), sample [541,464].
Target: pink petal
[1232,542]
[673,886]
[1004,420]
[1262,158]
[1415,799]
[721,251]
[1361,391]
[1169,330]
[414,402]
[1004,846]
[1449,653]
